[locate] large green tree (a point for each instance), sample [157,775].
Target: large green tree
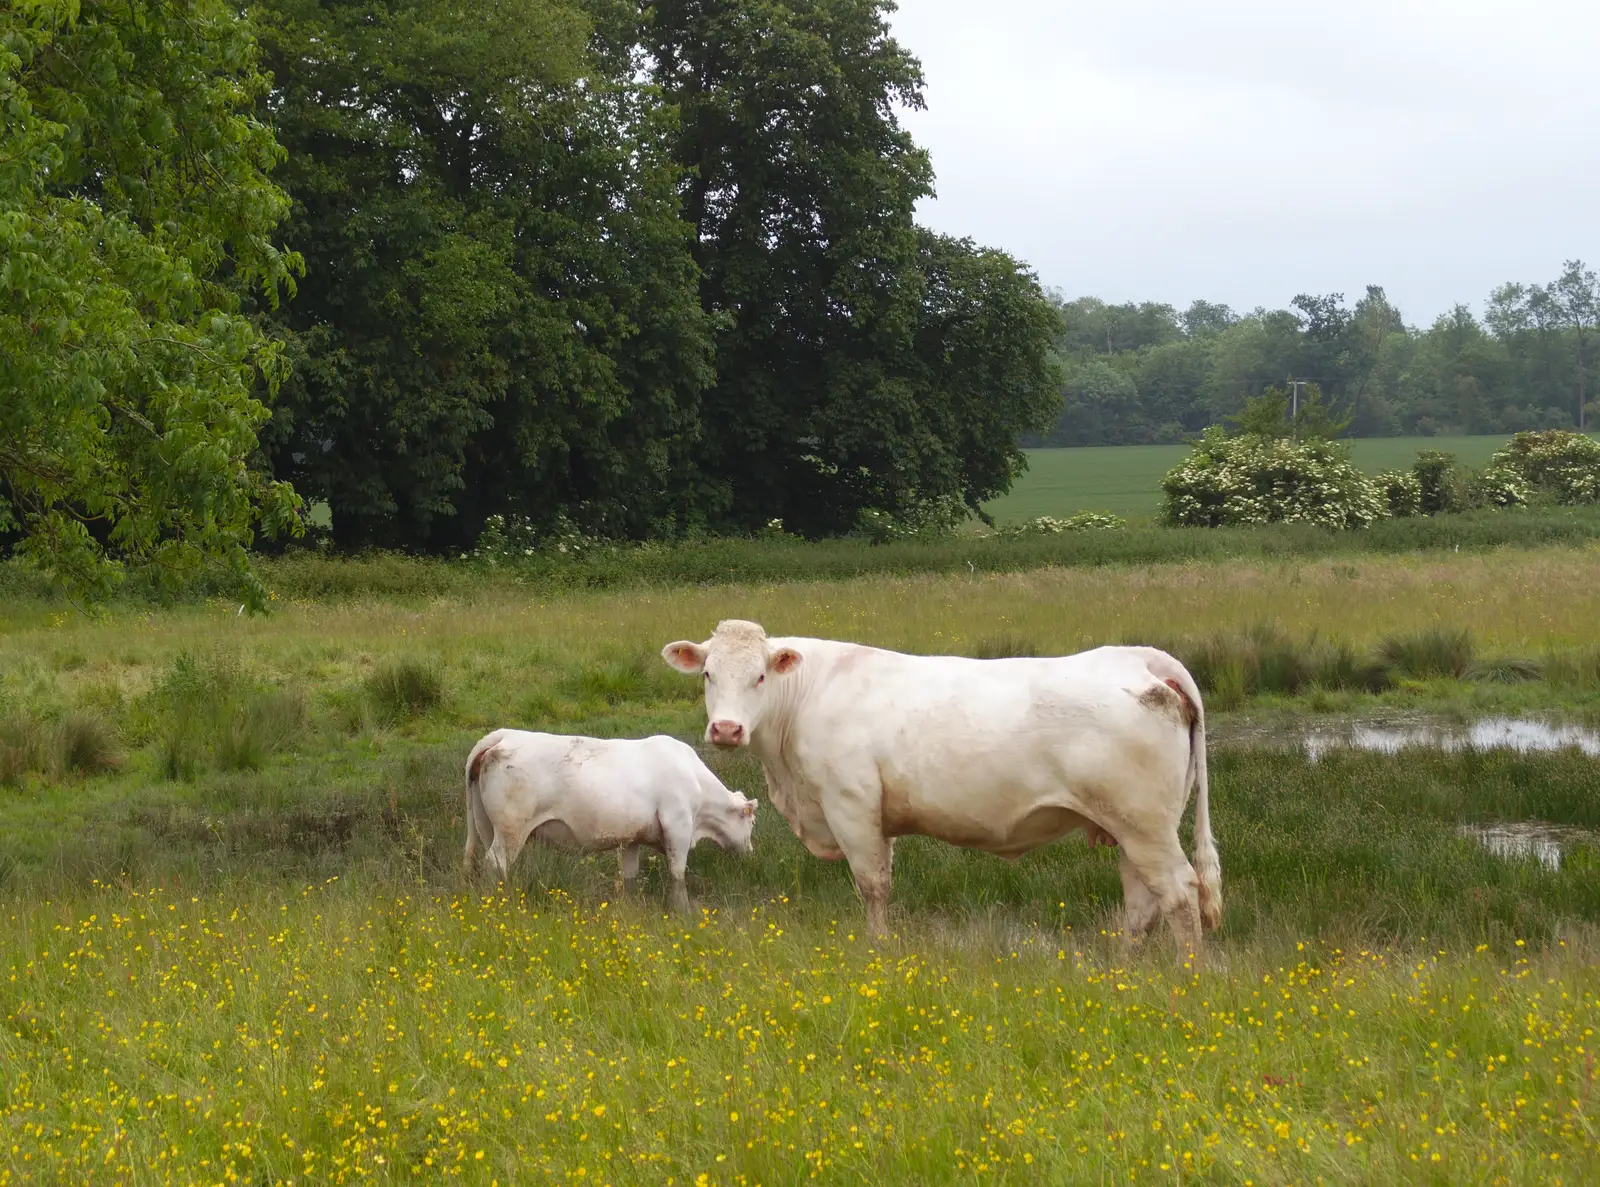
[135,208]
[843,360]
[501,312]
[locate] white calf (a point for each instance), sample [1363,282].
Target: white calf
[589,794]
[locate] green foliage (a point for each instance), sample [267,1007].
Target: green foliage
[861,363]
[1440,486]
[1530,364]
[1555,465]
[1269,415]
[501,314]
[1254,479]
[134,211]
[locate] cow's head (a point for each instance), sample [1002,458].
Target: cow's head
[738,666]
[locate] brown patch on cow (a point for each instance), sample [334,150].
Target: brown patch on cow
[475,771]
[1169,697]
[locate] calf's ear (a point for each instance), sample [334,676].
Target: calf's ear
[685,656]
[785,659]
[749,808]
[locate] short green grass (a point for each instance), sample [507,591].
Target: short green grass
[1126,479]
[263,963]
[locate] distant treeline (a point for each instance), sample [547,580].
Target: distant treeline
[1146,374]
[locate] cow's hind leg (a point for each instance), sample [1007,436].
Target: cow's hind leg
[503,851]
[1140,910]
[1171,881]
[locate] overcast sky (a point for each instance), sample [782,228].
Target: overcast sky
[1248,150]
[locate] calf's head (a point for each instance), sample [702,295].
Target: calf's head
[738,666]
[737,826]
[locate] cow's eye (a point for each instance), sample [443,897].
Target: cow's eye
[707,675]
[761,679]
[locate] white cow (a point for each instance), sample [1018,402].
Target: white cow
[590,794]
[862,745]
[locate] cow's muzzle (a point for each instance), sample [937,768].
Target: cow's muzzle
[726,733]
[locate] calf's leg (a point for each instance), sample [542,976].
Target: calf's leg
[677,851]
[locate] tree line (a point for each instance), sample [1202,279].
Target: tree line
[1144,373]
[646,267]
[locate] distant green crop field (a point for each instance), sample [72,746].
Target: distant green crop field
[1126,479]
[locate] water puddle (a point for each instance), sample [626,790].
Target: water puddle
[1522,734]
[1527,839]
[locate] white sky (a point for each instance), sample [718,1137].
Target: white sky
[1248,150]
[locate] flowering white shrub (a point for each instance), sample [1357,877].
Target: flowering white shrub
[1501,485]
[506,541]
[1083,521]
[922,519]
[1257,479]
[1402,492]
[1561,466]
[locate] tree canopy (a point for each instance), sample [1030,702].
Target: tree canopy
[135,212]
[1528,363]
[653,269]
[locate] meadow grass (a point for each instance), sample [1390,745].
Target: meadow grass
[1126,479]
[262,961]
[341,1032]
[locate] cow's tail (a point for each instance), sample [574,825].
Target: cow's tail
[1207,866]
[480,829]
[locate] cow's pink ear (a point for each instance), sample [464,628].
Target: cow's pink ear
[785,659]
[685,656]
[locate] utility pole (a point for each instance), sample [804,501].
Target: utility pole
[1294,398]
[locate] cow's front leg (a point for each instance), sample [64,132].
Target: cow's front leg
[871,859]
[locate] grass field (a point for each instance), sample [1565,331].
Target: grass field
[1126,479]
[234,942]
